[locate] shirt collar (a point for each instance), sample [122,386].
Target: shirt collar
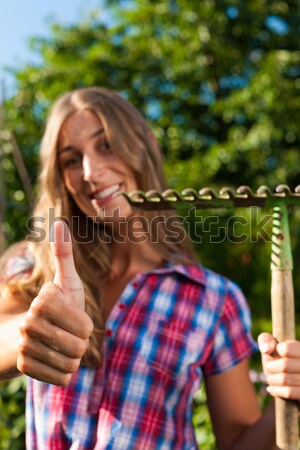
[194,272]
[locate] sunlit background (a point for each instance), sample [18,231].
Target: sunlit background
[218,82]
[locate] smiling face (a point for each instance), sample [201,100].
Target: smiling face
[92,172]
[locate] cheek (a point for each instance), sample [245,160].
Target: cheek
[72,183]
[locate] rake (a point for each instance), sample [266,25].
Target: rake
[282,291]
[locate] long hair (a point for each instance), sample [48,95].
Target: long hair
[130,138]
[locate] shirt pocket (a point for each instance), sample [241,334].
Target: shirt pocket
[170,349]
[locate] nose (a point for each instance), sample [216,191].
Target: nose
[93,168]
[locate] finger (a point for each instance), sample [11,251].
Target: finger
[267,344]
[50,307]
[42,372]
[47,355]
[283,379]
[63,342]
[288,392]
[66,276]
[283,365]
[289,349]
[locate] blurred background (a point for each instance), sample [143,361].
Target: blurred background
[218,82]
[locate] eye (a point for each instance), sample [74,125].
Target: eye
[72,161]
[104,148]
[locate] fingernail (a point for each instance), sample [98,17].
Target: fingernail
[264,347]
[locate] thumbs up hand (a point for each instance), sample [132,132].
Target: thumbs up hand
[54,333]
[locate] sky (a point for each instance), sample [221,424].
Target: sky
[22,19]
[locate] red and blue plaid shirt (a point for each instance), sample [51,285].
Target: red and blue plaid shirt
[169,328]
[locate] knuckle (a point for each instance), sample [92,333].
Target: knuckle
[79,347]
[90,327]
[26,325]
[269,380]
[39,306]
[87,326]
[85,344]
[63,379]
[283,349]
[284,378]
[287,347]
[284,364]
[22,365]
[23,326]
[289,392]
[72,365]
[23,345]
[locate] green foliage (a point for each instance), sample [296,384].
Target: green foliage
[201,421]
[12,420]
[218,81]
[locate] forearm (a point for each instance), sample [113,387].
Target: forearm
[9,338]
[260,435]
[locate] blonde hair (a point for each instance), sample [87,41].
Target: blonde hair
[130,138]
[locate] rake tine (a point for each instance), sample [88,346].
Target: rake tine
[283,189]
[189,194]
[228,192]
[208,192]
[171,195]
[245,190]
[265,191]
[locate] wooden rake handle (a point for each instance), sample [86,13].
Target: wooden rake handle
[283,321]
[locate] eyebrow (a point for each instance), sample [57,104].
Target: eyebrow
[96,133]
[92,136]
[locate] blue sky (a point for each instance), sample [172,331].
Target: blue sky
[22,19]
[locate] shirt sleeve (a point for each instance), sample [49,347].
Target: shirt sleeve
[233,340]
[18,264]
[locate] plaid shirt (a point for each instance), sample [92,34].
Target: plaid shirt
[169,328]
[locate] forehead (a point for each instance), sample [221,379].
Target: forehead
[79,125]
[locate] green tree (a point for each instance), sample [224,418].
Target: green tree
[218,81]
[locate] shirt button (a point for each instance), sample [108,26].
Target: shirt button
[135,284]
[108,332]
[122,306]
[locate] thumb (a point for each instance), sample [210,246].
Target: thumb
[267,344]
[66,277]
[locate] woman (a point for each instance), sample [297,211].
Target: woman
[116,344]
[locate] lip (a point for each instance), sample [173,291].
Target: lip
[102,196]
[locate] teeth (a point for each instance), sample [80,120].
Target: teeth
[107,192]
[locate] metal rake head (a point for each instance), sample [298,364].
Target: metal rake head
[207,198]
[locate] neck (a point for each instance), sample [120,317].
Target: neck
[132,254]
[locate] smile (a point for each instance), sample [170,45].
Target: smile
[105,194]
